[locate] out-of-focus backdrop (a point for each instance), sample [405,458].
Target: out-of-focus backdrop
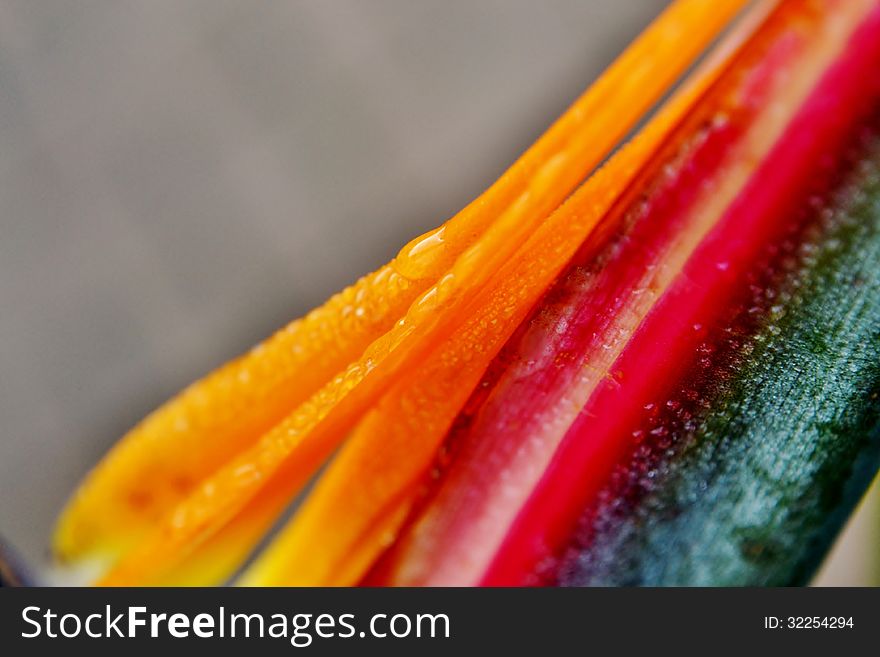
[180,178]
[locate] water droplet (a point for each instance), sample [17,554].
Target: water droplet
[417,259]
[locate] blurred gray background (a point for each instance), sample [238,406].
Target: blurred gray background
[178,178]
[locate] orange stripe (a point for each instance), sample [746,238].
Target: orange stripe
[361,502]
[534,187]
[161,460]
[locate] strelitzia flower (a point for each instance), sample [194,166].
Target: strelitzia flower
[648,363]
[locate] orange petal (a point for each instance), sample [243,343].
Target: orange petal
[361,501]
[294,448]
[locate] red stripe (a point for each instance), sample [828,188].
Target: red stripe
[665,347]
